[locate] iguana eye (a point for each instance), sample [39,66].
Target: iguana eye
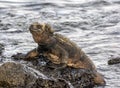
[39,26]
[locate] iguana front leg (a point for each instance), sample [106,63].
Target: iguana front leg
[58,56]
[31,54]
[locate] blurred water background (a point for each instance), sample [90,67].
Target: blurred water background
[93,24]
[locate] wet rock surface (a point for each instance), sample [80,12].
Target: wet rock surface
[50,83]
[15,75]
[1,48]
[114,61]
[79,78]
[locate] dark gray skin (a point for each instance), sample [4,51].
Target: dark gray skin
[59,50]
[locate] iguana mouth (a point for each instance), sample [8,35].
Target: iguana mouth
[37,30]
[36,27]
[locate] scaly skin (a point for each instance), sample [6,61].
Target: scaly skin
[59,50]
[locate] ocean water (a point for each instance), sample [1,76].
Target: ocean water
[93,24]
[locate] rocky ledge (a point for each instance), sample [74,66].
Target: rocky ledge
[39,75]
[1,48]
[114,61]
[15,75]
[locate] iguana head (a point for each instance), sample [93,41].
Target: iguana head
[40,31]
